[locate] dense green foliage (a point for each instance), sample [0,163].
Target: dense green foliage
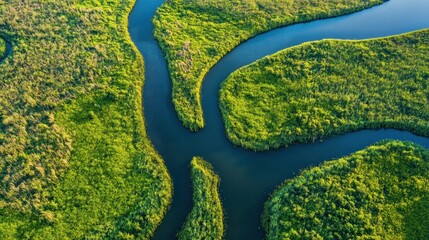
[205,221]
[377,193]
[75,158]
[2,48]
[195,34]
[320,89]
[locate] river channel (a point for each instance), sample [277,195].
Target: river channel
[248,178]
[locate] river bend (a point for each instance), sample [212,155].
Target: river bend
[247,178]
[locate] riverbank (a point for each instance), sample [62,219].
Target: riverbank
[248,177]
[196,34]
[73,135]
[379,192]
[206,219]
[323,89]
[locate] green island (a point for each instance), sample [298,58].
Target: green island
[325,88]
[76,161]
[195,34]
[380,192]
[205,221]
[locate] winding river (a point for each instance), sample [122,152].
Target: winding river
[248,177]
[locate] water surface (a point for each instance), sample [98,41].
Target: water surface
[247,178]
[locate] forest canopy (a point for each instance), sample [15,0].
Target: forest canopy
[380,192]
[325,88]
[195,34]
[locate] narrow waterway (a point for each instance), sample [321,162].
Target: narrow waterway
[247,178]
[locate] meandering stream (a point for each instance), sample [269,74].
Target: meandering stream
[247,178]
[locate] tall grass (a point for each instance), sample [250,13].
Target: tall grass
[75,158]
[2,48]
[205,221]
[326,88]
[376,193]
[195,34]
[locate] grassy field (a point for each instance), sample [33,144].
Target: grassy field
[206,218]
[321,89]
[76,161]
[195,34]
[380,192]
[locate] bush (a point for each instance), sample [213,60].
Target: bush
[377,193]
[206,218]
[326,88]
[195,34]
[76,161]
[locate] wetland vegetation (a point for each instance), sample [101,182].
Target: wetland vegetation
[76,161]
[380,192]
[195,34]
[321,89]
[2,48]
[205,220]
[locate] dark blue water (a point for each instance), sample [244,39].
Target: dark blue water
[247,177]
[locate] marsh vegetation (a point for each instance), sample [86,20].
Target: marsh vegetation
[380,192]
[321,89]
[205,221]
[195,34]
[2,48]
[75,159]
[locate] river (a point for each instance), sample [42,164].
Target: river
[248,178]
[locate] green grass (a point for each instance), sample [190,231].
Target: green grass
[321,89]
[380,192]
[195,34]
[76,160]
[206,218]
